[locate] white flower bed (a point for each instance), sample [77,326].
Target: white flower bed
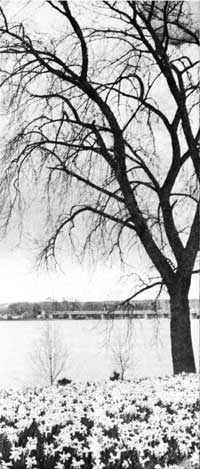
[140,424]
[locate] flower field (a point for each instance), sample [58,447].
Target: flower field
[148,423]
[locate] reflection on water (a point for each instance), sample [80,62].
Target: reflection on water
[90,344]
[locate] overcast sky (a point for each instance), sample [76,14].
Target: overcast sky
[21,282]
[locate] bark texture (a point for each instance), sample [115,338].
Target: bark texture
[180,331]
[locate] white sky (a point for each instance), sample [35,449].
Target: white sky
[20,282]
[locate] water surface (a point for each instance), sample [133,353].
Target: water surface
[91,345]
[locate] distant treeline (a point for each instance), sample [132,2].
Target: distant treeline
[52,306]
[33,310]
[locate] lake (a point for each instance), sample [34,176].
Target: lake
[92,347]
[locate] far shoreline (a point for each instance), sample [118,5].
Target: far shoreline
[96,316]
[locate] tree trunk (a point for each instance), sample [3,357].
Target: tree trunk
[180,331]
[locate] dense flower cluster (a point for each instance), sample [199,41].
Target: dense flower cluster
[145,423]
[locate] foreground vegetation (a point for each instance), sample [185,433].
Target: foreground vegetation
[148,423]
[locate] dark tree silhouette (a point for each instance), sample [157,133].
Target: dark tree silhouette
[104,124]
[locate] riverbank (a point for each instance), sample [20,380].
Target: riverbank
[147,423]
[97,316]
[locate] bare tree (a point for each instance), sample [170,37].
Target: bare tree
[89,114]
[50,354]
[122,356]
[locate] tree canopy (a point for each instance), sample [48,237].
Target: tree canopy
[104,132]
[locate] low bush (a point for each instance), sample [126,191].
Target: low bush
[115,376]
[64,381]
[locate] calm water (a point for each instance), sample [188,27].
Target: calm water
[90,345]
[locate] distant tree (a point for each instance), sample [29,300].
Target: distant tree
[36,310]
[104,128]
[19,308]
[50,355]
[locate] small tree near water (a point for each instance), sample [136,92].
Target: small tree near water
[121,357]
[50,354]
